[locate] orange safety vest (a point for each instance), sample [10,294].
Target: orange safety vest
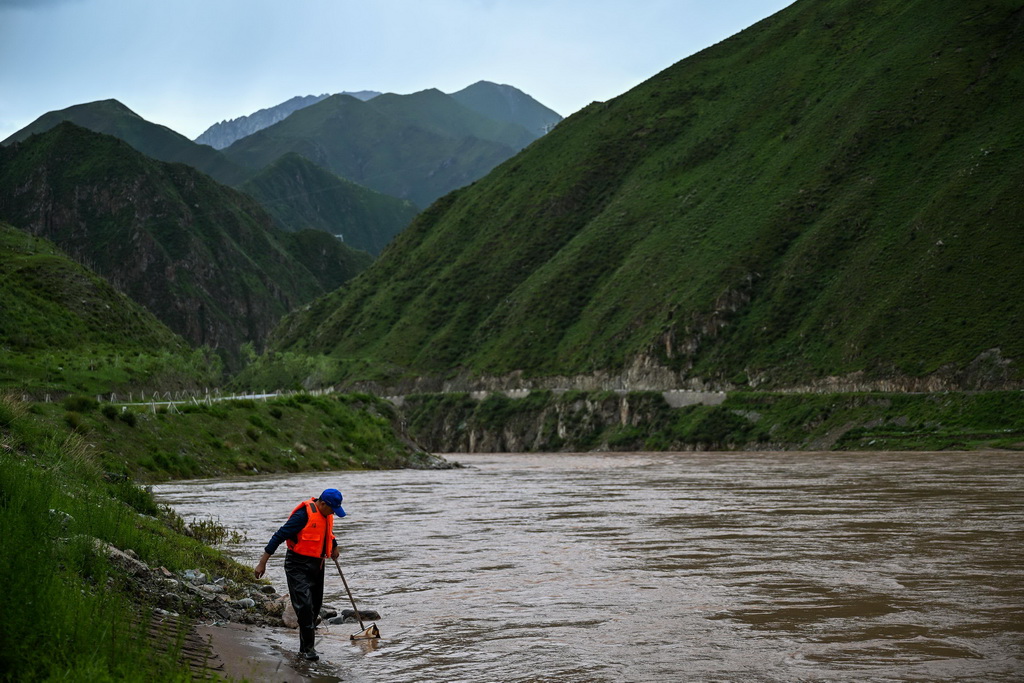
[314,540]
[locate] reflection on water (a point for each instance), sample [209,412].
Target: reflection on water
[665,567]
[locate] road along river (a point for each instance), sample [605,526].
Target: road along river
[663,566]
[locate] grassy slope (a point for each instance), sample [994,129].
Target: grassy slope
[159,142]
[382,147]
[69,613]
[834,190]
[299,194]
[204,258]
[297,433]
[64,329]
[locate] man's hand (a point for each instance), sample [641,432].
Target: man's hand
[335,553]
[261,567]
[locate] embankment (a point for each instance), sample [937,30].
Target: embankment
[582,421]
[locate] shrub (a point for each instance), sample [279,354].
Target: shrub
[128,417]
[80,404]
[109,412]
[75,422]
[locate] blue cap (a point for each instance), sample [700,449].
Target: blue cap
[333,498]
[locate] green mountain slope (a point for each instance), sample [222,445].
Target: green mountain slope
[202,257]
[416,147]
[63,328]
[152,139]
[505,103]
[832,192]
[300,194]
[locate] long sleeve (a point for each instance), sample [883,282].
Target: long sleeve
[290,530]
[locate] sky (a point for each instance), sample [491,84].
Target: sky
[188,64]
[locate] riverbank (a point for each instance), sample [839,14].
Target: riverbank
[545,421]
[100,567]
[244,652]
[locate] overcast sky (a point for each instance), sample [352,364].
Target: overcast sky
[188,64]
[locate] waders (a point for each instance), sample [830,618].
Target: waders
[367,633]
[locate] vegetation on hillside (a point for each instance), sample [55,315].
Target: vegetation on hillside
[300,194]
[204,258]
[65,330]
[156,441]
[832,192]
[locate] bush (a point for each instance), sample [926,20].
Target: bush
[75,422]
[109,412]
[80,404]
[128,417]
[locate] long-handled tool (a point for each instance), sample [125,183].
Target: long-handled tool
[367,633]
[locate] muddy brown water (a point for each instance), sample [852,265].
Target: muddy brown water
[663,566]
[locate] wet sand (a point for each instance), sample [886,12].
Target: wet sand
[251,653]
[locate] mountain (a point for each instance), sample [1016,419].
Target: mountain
[832,195]
[152,139]
[300,194]
[204,258]
[63,328]
[221,135]
[49,301]
[416,147]
[505,103]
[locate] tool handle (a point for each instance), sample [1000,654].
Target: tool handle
[359,617]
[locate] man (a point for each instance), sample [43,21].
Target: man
[309,534]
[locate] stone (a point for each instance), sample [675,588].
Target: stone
[289,617]
[349,617]
[244,603]
[194,576]
[122,559]
[269,590]
[211,588]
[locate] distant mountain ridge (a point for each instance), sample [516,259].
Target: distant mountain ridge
[830,198]
[152,139]
[416,147]
[509,104]
[499,102]
[221,135]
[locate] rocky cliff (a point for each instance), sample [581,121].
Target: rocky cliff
[221,135]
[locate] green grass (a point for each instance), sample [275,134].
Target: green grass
[63,329]
[858,218]
[293,434]
[68,613]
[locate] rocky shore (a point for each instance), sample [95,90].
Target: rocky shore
[230,620]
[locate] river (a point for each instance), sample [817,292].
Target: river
[663,566]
